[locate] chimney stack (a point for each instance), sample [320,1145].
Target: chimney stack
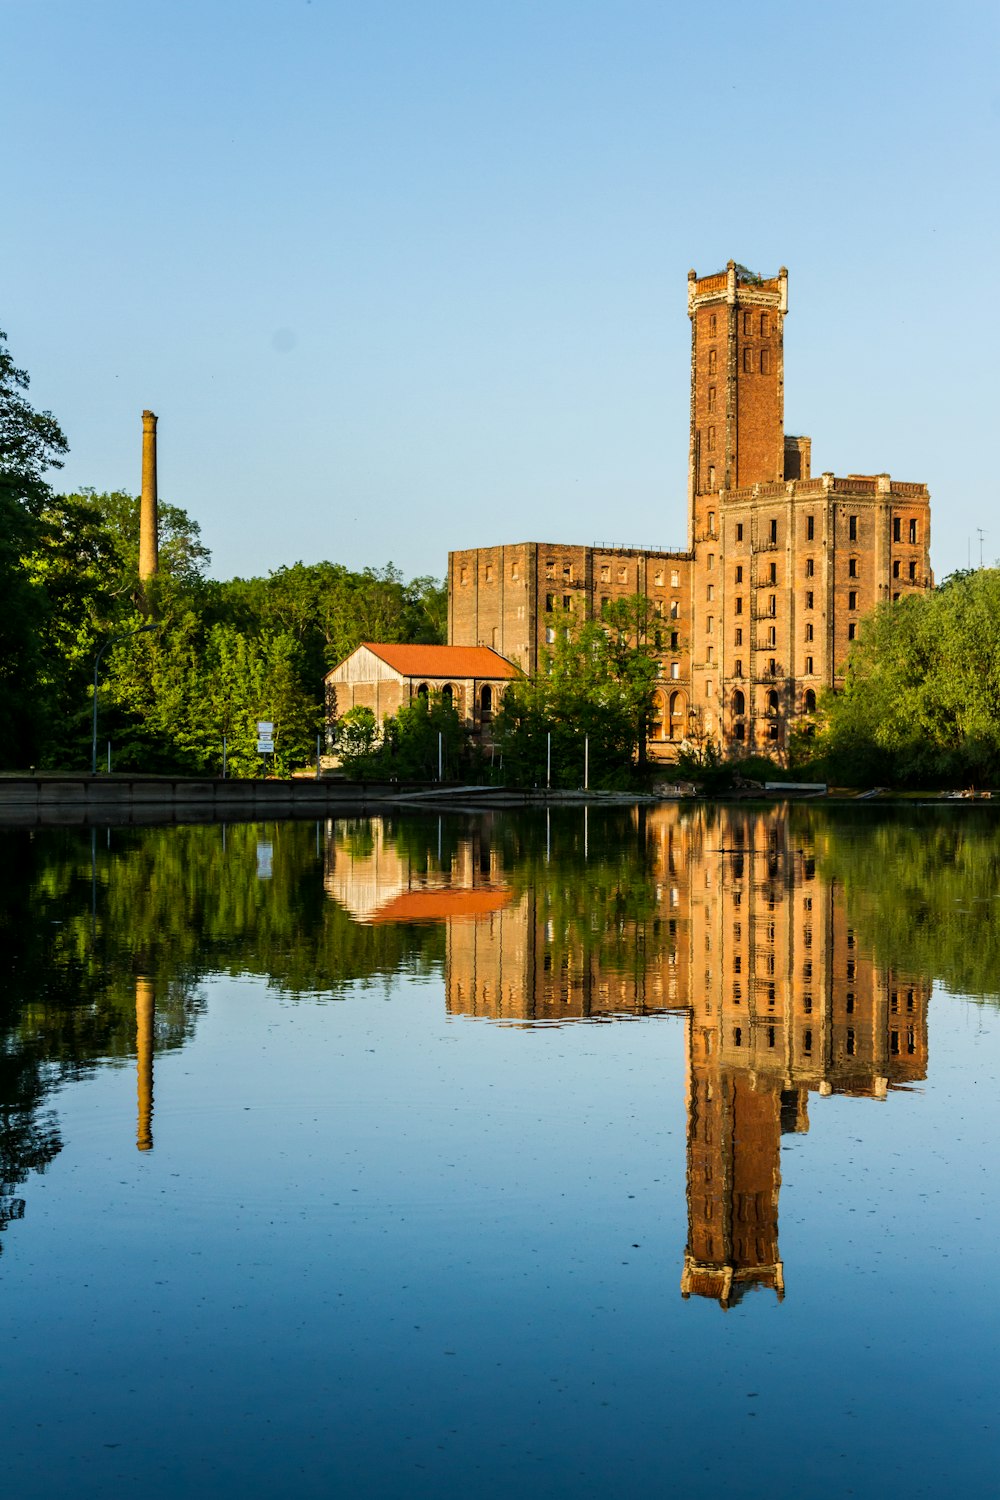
[148,520]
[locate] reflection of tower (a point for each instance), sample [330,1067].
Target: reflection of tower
[734,1142]
[145,1015]
[782,1001]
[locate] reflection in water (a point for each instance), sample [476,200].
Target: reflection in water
[145,1016]
[798,944]
[725,918]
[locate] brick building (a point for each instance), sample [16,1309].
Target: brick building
[386,676]
[756,614]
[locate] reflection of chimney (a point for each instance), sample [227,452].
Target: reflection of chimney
[148,520]
[145,1012]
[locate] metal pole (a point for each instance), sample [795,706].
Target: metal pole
[440,756]
[548,761]
[586,762]
[318,738]
[93,746]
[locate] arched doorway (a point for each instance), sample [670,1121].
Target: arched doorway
[678,716]
[486,703]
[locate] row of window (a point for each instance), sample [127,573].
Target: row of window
[810,522]
[772,667]
[850,1040]
[749,324]
[451,694]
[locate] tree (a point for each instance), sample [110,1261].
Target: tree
[357,742]
[413,738]
[595,683]
[921,701]
[31,442]
[182,556]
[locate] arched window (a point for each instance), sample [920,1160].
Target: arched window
[809,701]
[423,691]
[657,727]
[447,695]
[676,716]
[486,703]
[739,702]
[772,703]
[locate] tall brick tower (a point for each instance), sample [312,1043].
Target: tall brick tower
[737,387]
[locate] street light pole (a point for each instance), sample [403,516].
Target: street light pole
[111,640]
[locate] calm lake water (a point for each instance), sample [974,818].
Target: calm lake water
[633,1153]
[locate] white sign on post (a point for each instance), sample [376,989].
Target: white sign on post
[265,737]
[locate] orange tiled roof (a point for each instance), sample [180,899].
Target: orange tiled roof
[438,906]
[443,661]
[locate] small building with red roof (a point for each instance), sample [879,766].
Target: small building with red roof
[386,676]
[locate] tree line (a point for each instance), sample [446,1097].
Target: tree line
[223,655]
[920,704]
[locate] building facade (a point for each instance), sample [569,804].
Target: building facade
[386,676]
[756,614]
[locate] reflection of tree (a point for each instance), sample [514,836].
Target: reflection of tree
[593,882]
[594,895]
[922,887]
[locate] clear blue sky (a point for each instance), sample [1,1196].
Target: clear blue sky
[405,275]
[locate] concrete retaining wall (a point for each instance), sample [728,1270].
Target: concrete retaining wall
[26,800]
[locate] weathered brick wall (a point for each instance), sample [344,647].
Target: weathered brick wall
[760,612]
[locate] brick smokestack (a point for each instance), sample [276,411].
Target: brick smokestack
[148,519]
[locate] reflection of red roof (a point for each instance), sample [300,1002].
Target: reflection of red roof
[438,906]
[443,661]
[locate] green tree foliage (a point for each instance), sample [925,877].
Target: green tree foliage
[224,656]
[596,682]
[330,610]
[410,745]
[183,557]
[358,743]
[921,703]
[31,443]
